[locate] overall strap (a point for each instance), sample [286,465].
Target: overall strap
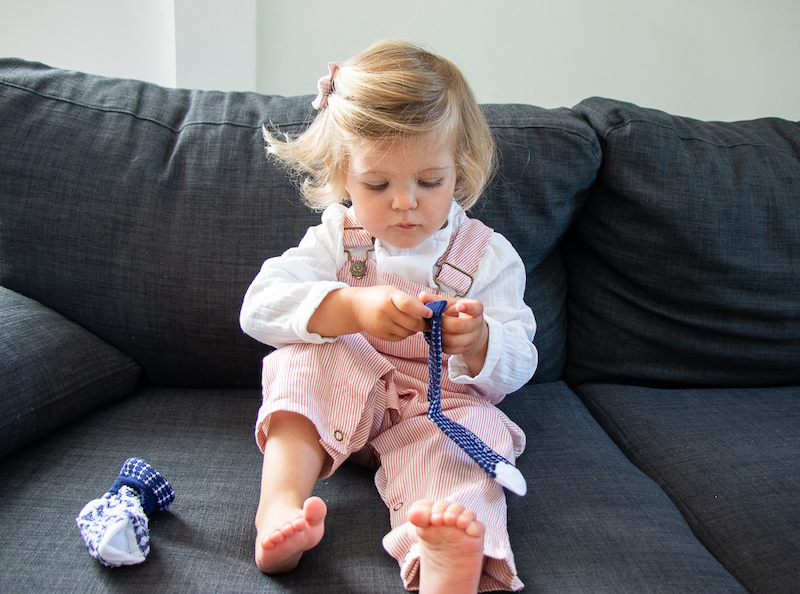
[354,233]
[354,236]
[457,267]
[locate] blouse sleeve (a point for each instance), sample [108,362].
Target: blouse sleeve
[288,289]
[511,357]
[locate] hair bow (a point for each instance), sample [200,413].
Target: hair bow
[325,87]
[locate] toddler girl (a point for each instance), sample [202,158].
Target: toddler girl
[398,136]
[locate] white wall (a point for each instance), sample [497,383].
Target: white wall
[130,39]
[711,59]
[215,44]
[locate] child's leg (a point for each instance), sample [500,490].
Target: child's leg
[321,403]
[451,546]
[289,521]
[418,462]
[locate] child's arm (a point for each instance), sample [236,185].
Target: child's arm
[383,312]
[508,359]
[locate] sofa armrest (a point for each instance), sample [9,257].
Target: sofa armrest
[52,371]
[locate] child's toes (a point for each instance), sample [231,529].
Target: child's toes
[452,514]
[465,518]
[314,510]
[419,513]
[438,510]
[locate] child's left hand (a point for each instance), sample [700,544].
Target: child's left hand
[464,331]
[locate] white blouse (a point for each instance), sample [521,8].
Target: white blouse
[286,292]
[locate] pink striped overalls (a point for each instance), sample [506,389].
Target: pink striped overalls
[368,398]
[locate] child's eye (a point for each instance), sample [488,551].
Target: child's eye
[433,183]
[376,187]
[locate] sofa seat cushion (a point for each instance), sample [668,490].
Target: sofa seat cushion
[728,459]
[591,521]
[52,371]
[683,266]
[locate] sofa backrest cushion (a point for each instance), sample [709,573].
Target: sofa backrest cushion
[143,213]
[548,161]
[684,266]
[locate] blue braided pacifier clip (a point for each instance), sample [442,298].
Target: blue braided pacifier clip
[493,463]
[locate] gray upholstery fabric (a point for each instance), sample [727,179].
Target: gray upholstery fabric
[143,213]
[590,523]
[52,371]
[548,160]
[202,442]
[135,211]
[685,262]
[729,460]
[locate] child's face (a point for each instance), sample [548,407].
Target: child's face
[402,192]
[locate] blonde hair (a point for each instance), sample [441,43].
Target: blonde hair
[393,91]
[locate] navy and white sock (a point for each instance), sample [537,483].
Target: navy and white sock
[115,526]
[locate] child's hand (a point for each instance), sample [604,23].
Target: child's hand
[464,331]
[384,312]
[387,313]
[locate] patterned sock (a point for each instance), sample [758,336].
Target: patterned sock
[493,463]
[115,527]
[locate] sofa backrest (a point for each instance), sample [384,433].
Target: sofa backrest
[143,213]
[684,265]
[548,161]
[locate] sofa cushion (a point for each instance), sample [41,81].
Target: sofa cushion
[683,267]
[52,371]
[549,160]
[143,213]
[591,521]
[728,459]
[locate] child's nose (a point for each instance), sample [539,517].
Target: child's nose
[405,199]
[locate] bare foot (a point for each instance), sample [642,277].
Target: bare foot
[279,549]
[451,546]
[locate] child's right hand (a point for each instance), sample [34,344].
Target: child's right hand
[387,313]
[384,312]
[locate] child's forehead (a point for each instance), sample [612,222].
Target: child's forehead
[423,154]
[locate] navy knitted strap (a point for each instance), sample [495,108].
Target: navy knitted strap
[154,490]
[490,461]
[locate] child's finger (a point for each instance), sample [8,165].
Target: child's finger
[430,298]
[451,301]
[470,307]
[410,305]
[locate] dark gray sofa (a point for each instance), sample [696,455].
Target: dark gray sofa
[664,270]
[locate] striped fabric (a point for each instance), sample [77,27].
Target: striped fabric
[484,456]
[457,266]
[364,394]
